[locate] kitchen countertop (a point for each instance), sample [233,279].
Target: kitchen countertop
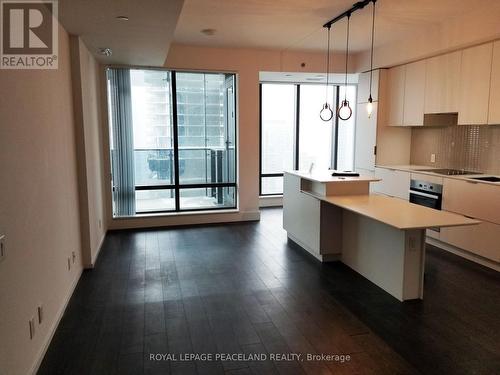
[326,176]
[415,169]
[396,212]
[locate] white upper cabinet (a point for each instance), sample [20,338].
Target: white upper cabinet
[364,86]
[475,75]
[494,107]
[395,95]
[365,138]
[414,95]
[442,83]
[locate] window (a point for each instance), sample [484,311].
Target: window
[293,135]
[277,135]
[172,137]
[316,136]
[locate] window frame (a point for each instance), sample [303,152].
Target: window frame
[177,186]
[334,156]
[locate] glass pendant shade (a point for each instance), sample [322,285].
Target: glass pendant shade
[326,113]
[369,107]
[344,112]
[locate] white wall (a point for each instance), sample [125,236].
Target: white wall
[38,206]
[89,129]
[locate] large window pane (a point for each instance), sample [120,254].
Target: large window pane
[155,200]
[272,185]
[315,135]
[152,127]
[278,127]
[205,110]
[142,138]
[212,197]
[345,148]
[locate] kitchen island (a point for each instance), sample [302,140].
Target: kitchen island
[382,238]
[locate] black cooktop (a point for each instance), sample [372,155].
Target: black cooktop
[449,172]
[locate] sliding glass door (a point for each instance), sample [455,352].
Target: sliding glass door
[153,140]
[173,137]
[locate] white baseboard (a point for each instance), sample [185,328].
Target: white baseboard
[94,258]
[464,254]
[209,217]
[271,201]
[60,313]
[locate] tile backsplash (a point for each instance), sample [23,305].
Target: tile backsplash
[473,147]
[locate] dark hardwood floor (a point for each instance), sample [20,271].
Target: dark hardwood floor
[241,288]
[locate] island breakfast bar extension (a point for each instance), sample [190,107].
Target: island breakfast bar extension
[380,237]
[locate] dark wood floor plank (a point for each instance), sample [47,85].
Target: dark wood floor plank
[242,288]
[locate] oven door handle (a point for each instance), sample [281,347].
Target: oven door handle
[423,194]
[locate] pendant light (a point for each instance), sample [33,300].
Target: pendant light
[369,105]
[326,112]
[344,111]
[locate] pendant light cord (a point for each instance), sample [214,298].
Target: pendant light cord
[327,65]
[371,57]
[346,57]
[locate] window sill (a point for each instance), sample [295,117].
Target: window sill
[180,213]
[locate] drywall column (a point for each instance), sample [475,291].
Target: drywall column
[89,128]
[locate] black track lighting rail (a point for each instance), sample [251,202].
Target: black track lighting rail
[348,12]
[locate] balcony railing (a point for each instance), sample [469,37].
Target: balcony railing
[206,179]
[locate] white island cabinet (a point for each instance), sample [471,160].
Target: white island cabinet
[380,237]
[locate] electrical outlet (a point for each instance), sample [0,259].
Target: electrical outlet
[40,313]
[433,158]
[32,328]
[2,247]
[69,264]
[73,256]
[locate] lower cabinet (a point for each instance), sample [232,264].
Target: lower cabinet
[394,183]
[482,239]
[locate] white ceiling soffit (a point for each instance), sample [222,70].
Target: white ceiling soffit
[299,77]
[297,24]
[142,40]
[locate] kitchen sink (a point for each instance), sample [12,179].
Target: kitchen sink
[487,178]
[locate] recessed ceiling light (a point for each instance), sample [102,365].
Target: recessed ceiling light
[122,18]
[208,32]
[105,51]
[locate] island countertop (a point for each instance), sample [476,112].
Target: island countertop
[326,176]
[395,212]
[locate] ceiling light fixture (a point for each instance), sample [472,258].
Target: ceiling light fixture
[105,51]
[344,112]
[369,105]
[122,18]
[326,112]
[208,32]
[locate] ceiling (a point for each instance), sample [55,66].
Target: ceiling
[142,40]
[297,24]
